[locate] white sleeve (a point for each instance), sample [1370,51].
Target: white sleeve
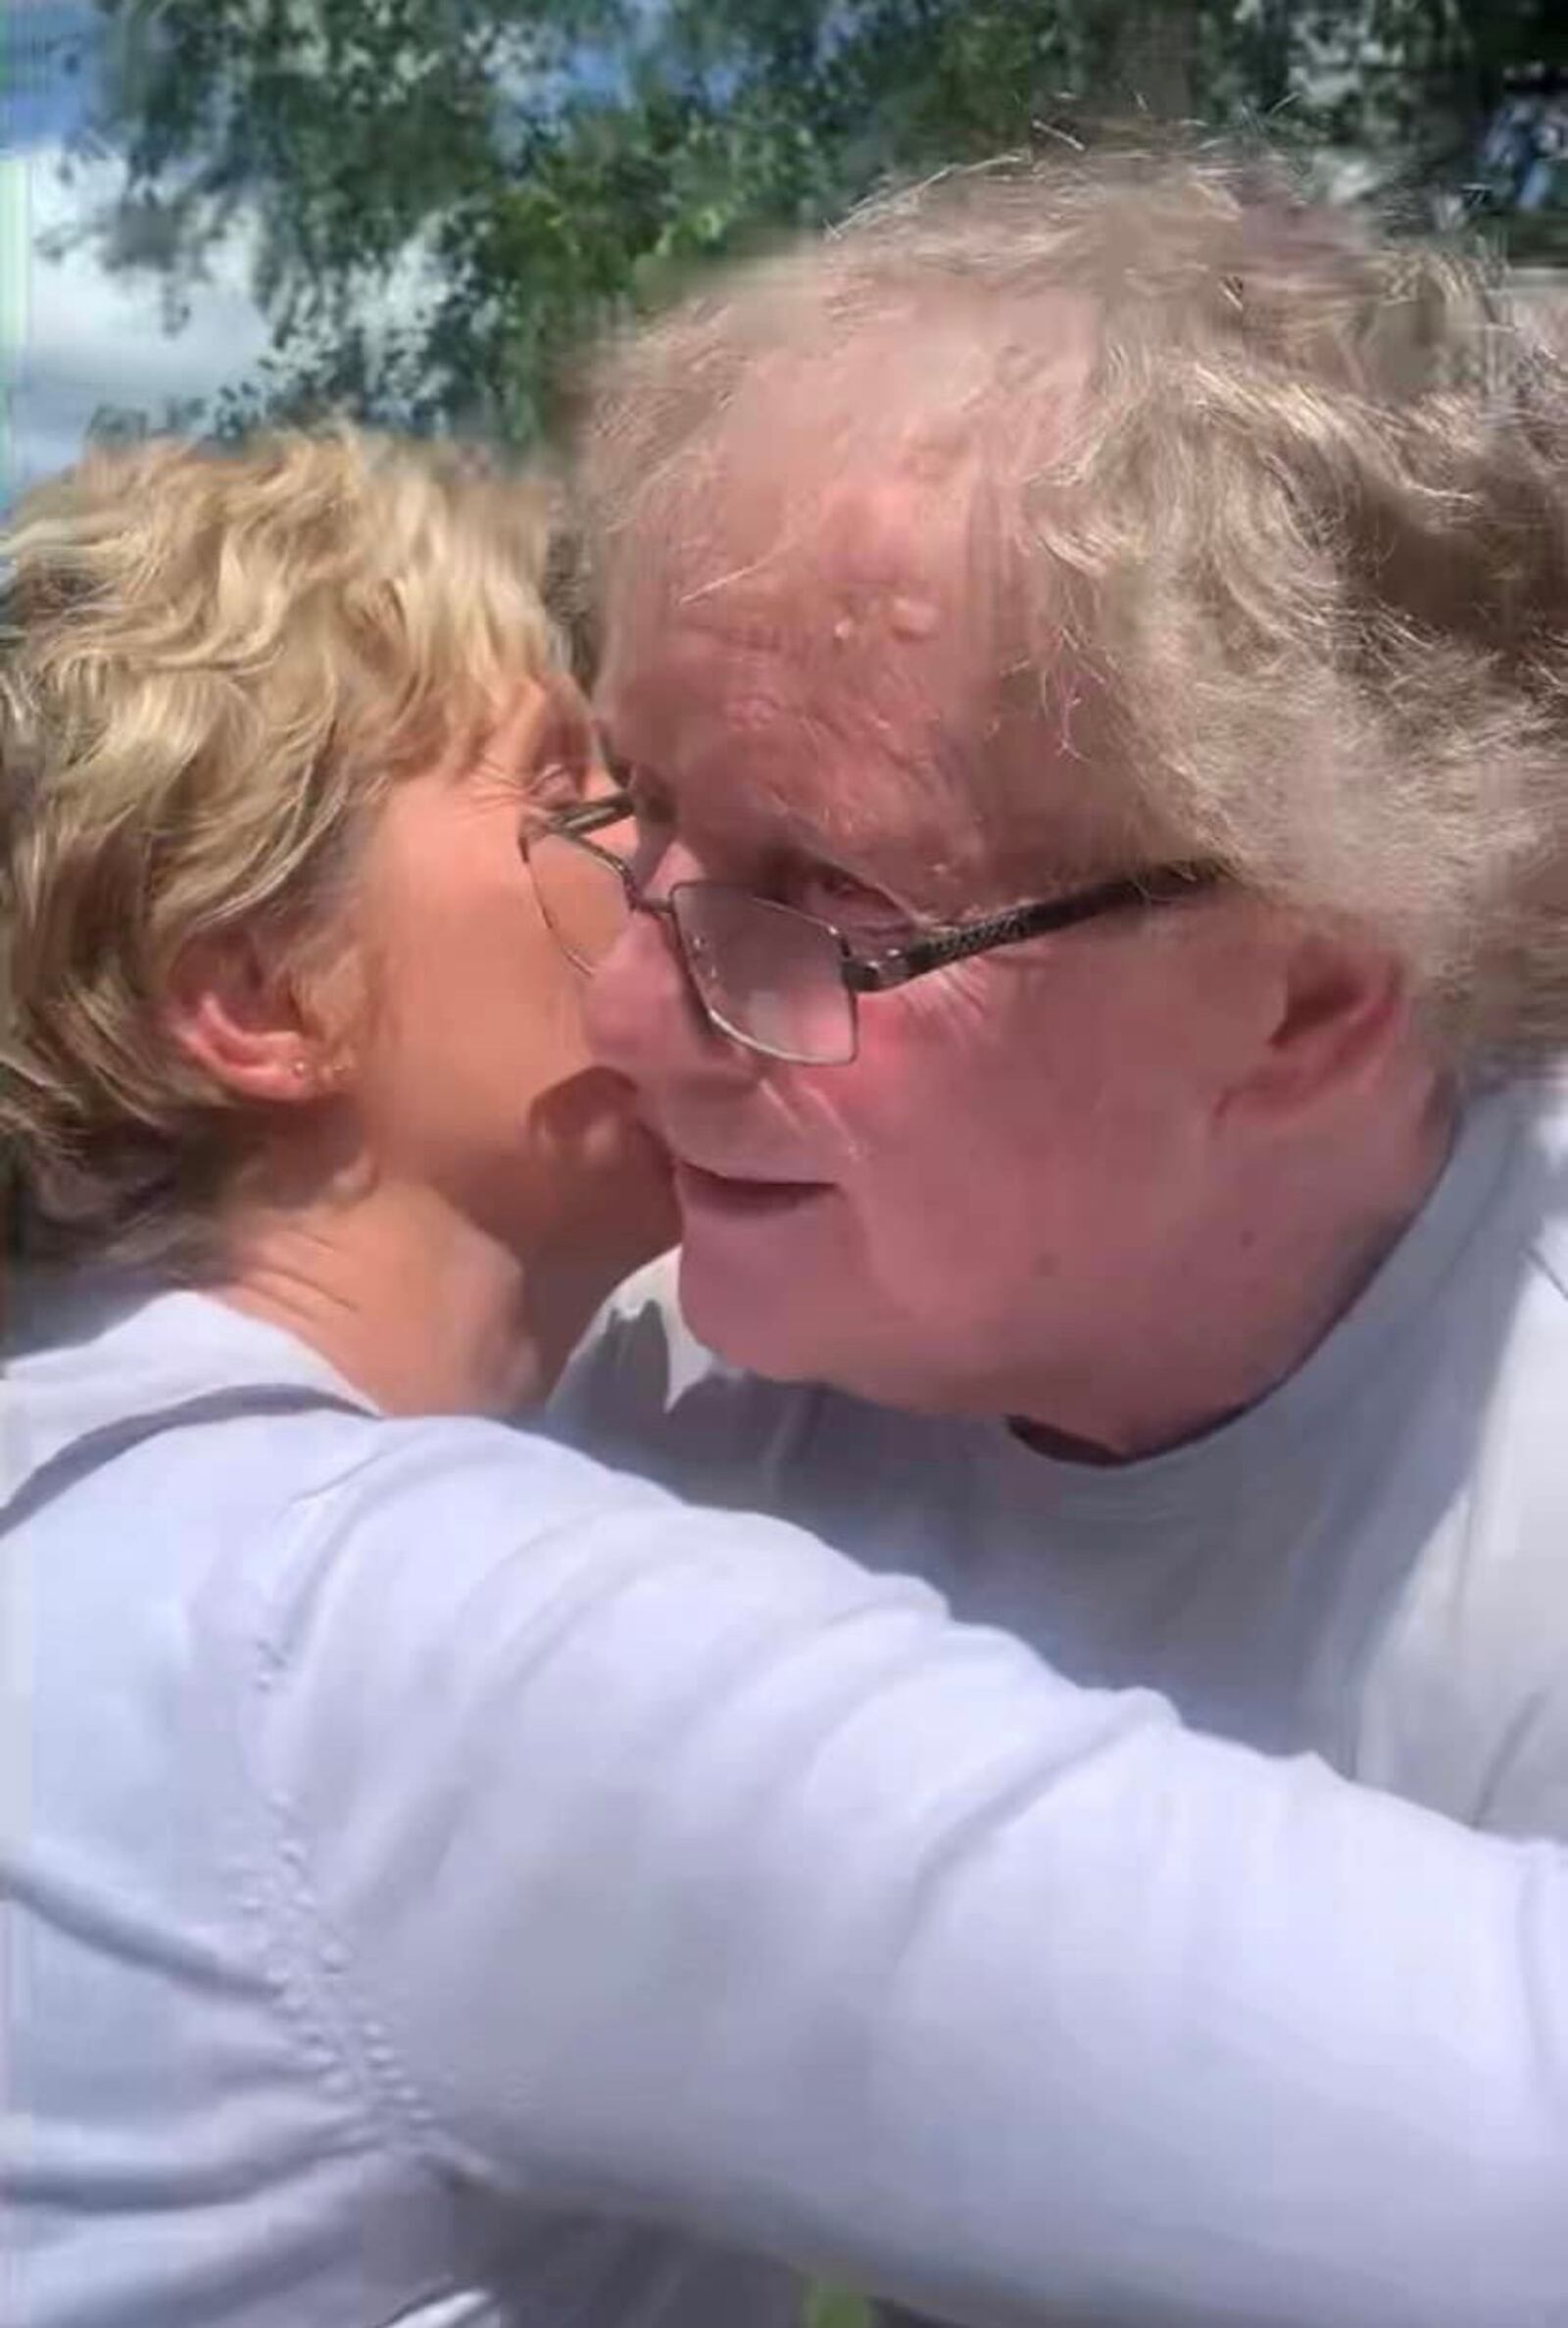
[679,1868]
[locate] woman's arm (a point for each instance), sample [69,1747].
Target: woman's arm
[688,1872]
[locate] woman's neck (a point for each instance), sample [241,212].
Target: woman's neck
[416,1307]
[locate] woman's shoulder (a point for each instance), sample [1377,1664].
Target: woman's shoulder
[295,1558]
[208,1456]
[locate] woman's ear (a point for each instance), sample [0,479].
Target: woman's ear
[238,1016]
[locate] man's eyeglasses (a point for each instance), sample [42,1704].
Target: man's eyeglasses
[780,981]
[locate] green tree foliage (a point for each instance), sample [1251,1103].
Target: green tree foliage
[447,193]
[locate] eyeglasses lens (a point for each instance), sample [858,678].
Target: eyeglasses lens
[769,976]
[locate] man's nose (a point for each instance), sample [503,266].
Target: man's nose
[645,1021]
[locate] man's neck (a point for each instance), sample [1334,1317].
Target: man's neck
[417,1307]
[1272,1281]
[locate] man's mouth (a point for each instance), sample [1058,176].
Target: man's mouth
[738,1197]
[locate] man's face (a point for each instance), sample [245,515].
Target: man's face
[977,1206]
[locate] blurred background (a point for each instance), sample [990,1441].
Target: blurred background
[215,209]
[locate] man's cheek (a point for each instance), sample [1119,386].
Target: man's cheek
[957,1004]
[836,1112]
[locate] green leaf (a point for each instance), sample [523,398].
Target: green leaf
[534,167]
[834,2307]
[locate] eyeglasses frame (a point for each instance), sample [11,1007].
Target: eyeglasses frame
[894,966]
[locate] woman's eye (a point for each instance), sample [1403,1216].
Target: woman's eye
[550,791]
[556,786]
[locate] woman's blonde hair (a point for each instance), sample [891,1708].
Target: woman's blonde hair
[213,664]
[1286,561]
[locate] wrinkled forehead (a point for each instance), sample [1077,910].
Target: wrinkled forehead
[820,650]
[815,610]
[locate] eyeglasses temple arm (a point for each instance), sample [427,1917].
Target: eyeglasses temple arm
[1167,885]
[594,816]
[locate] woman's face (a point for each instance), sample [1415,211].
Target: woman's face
[468,1071]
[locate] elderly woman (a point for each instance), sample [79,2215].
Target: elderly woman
[445,1880]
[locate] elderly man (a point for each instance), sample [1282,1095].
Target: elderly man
[1089,668]
[1108,602]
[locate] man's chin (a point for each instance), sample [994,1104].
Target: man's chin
[777,1337]
[782,1333]
[760,1328]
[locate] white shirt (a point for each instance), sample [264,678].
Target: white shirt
[447,1882]
[1371,1563]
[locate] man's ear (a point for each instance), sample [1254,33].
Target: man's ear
[237,1016]
[1341,1009]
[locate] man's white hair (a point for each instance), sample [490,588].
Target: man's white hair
[1292,560]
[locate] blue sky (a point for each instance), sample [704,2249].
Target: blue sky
[72,338]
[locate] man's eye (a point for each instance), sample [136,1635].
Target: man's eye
[837,895]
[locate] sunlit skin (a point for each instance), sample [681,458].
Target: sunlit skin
[1114,1182]
[448,1184]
